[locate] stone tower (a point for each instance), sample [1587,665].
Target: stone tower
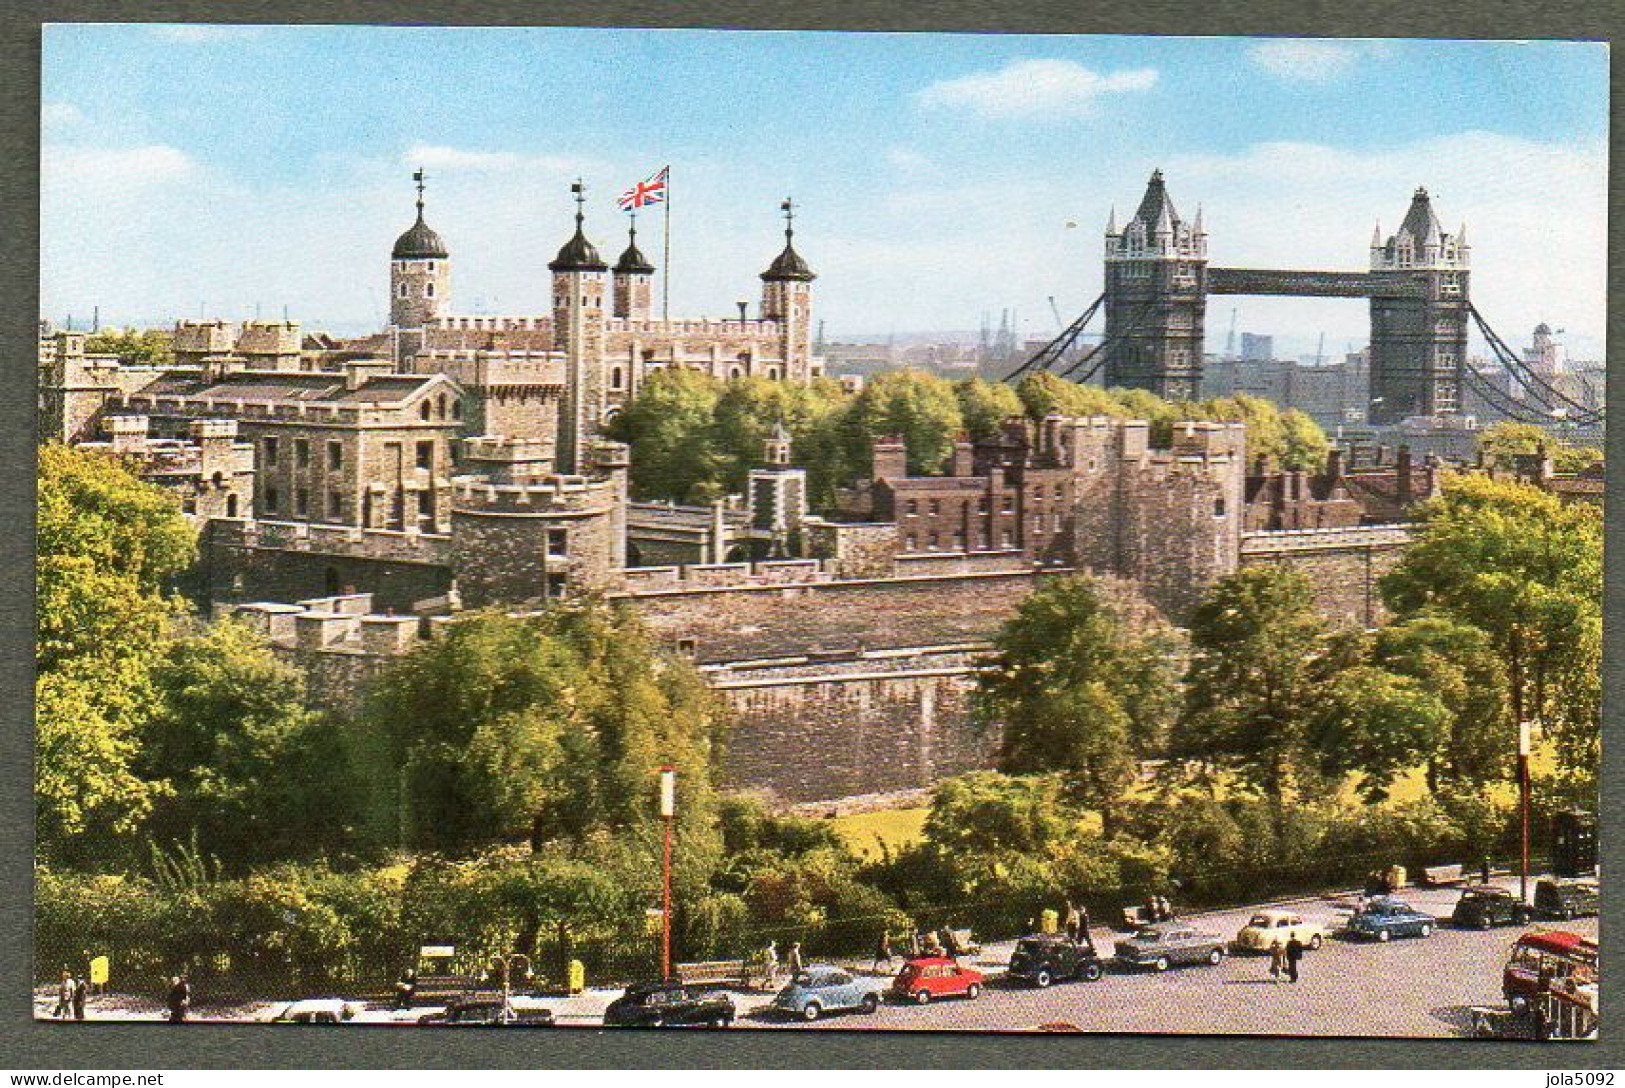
[787,299]
[1419,340]
[633,279]
[419,282]
[1156,298]
[578,328]
[777,493]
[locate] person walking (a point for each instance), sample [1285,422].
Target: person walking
[883,952]
[81,991]
[406,989]
[179,999]
[793,960]
[1294,953]
[1083,929]
[770,965]
[1277,961]
[1071,922]
[64,996]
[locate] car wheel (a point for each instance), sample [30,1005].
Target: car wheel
[973,991]
[1316,941]
[922,997]
[1042,980]
[1161,964]
[1092,972]
[1521,918]
[1425,931]
[870,1003]
[810,1011]
[1383,936]
[1216,956]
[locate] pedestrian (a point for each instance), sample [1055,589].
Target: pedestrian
[64,996]
[913,943]
[1071,922]
[793,960]
[1032,925]
[81,991]
[1294,953]
[1083,929]
[770,965]
[1277,961]
[179,999]
[933,947]
[883,952]
[1484,872]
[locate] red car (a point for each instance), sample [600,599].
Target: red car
[927,977]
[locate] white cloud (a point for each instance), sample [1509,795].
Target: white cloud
[1033,88]
[1304,60]
[195,33]
[112,167]
[905,159]
[60,114]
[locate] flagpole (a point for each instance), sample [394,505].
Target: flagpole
[665,280]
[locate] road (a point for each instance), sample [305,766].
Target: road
[1412,987]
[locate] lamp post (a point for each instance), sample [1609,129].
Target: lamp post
[1523,801]
[506,965]
[668,809]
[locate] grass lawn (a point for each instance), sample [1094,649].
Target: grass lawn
[896,827]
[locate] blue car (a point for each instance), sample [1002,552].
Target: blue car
[822,988]
[1384,919]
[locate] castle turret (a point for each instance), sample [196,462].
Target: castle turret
[578,328]
[419,281]
[632,279]
[1419,338]
[787,299]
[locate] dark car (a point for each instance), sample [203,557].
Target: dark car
[669,1005]
[490,1013]
[1050,957]
[1481,908]
[1162,946]
[1566,898]
[1386,918]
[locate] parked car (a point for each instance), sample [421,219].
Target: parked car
[490,1013]
[669,1004]
[1546,961]
[1386,918]
[1483,907]
[1162,946]
[317,1010]
[1566,898]
[1043,958]
[822,988]
[1266,927]
[928,977]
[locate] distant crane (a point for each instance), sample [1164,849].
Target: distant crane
[1230,341]
[1320,350]
[1056,310]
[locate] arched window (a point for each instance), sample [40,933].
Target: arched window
[456,409]
[403,290]
[615,378]
[231,506]
[331,578]
[428,290]
[440,406]
[423,411]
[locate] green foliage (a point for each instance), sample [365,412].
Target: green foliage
[920,408]
[1044,394]
[985,406]
[1501,443]
[668,424]
[1458,664]
[1377,725]
[134,347]
[1080,690]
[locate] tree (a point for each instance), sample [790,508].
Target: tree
[1044,394]
[1254,638]
[1375,724]
[1526,570]
[917,407]
[145,347]
[985,406]
[107,547]
[543,728]
[1079,690]
[1502,443]
[251,773]
[669,427]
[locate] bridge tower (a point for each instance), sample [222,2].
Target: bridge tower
[1419,339]
[1156,298]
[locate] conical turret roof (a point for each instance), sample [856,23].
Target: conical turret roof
[632,262]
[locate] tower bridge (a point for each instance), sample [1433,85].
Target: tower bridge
[1157,279]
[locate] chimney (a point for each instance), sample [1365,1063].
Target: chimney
[890,458]
[964,457]
[358,372]
[1334,464]
[1402,475]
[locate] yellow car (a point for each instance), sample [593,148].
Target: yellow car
[1268,926]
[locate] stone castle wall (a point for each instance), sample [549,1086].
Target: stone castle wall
[1344,566]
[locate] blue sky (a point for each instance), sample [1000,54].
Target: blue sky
[216,170]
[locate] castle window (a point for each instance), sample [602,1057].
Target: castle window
[403,290]
[686,647]
[428,290]
[1057,522]
[934,508]
[1060,491]
[271,498]
[431,266]
[1218,507]
[335,456]
[440,406]
[301,502]
[1007,503]
[231,506]
[982,505]
[335,504]
[615,378]
[456,409]
[1007,539]
[556,585]
[424,411]
[270,452]
[931,541]
[426,454]
[301,452]
[911,542]
[558,543]
[912,509]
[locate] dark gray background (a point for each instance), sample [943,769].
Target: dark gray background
[28,1045]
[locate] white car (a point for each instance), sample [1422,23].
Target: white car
[317,1010]
[1266,927]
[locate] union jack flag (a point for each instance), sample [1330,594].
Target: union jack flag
[644,193]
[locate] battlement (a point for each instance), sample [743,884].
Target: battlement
[343,624]
[213,337]
[718,327]
[483,496]
[405,546]
[269,338]
[772,572]
[1277,541]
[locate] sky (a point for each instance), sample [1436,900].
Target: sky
[192,170]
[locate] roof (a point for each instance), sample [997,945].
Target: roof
[289,386]
[632,262]
[578,254]
[931,961]
[1420,222]
[1156,209]
[788,265]
[1558,940]
[419,242]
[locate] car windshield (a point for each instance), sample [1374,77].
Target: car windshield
[807,978]
[1148,934]
[1263,921]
